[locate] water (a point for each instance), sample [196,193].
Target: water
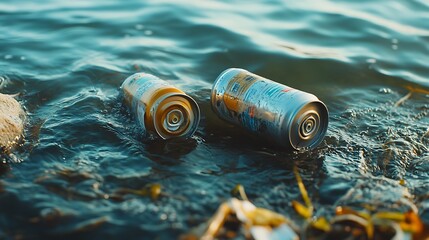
[68,59]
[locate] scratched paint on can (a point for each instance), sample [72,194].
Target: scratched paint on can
[256,117]
[264,98]
[240,97]
[235,95]
[267,108]
[276,91]
[143,85]
[143,88]
[235,90]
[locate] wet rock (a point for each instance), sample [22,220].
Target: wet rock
[12,118]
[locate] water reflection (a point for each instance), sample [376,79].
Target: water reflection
[173,149]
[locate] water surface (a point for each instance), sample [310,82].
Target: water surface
[68,59]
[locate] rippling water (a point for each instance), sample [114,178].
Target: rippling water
[67,60]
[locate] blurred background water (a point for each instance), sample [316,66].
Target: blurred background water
[67,59]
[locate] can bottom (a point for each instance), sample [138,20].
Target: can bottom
[309,126]
[175,115]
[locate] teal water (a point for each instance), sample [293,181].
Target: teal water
[67,60]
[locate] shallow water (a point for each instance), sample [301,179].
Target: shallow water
[68,59]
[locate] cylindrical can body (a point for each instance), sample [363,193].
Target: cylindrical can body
[161,109]
[283,115]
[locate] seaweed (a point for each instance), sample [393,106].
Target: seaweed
[152,190]
[236,217]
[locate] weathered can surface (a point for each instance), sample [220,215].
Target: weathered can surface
[161,109]
[282,115]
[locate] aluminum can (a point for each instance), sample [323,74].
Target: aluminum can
[283,115]
[162,110]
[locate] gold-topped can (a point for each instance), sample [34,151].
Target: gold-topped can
[161,109]
[282,115]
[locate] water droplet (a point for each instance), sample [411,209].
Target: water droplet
[7,57]
[23,58]
[139,26]
[395,41]
[148,32]
[385,90]
[351,113]
[371,60]
[163,216]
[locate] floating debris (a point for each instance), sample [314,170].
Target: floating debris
[54,182]
[241,218]
[89,225]
[63,183]
[321,224]
[238,190]
[153,191]
[351,224]
[417,90]
[76,176]
[304,211]
[403,99]
[70,175]
[50,215]
[259,223]
[411,90]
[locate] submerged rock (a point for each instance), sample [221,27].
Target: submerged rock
[12,118]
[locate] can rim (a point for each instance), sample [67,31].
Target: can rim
[321,131]
[195,109]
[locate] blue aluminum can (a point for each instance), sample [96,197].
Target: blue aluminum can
[162,110]
[283,115]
